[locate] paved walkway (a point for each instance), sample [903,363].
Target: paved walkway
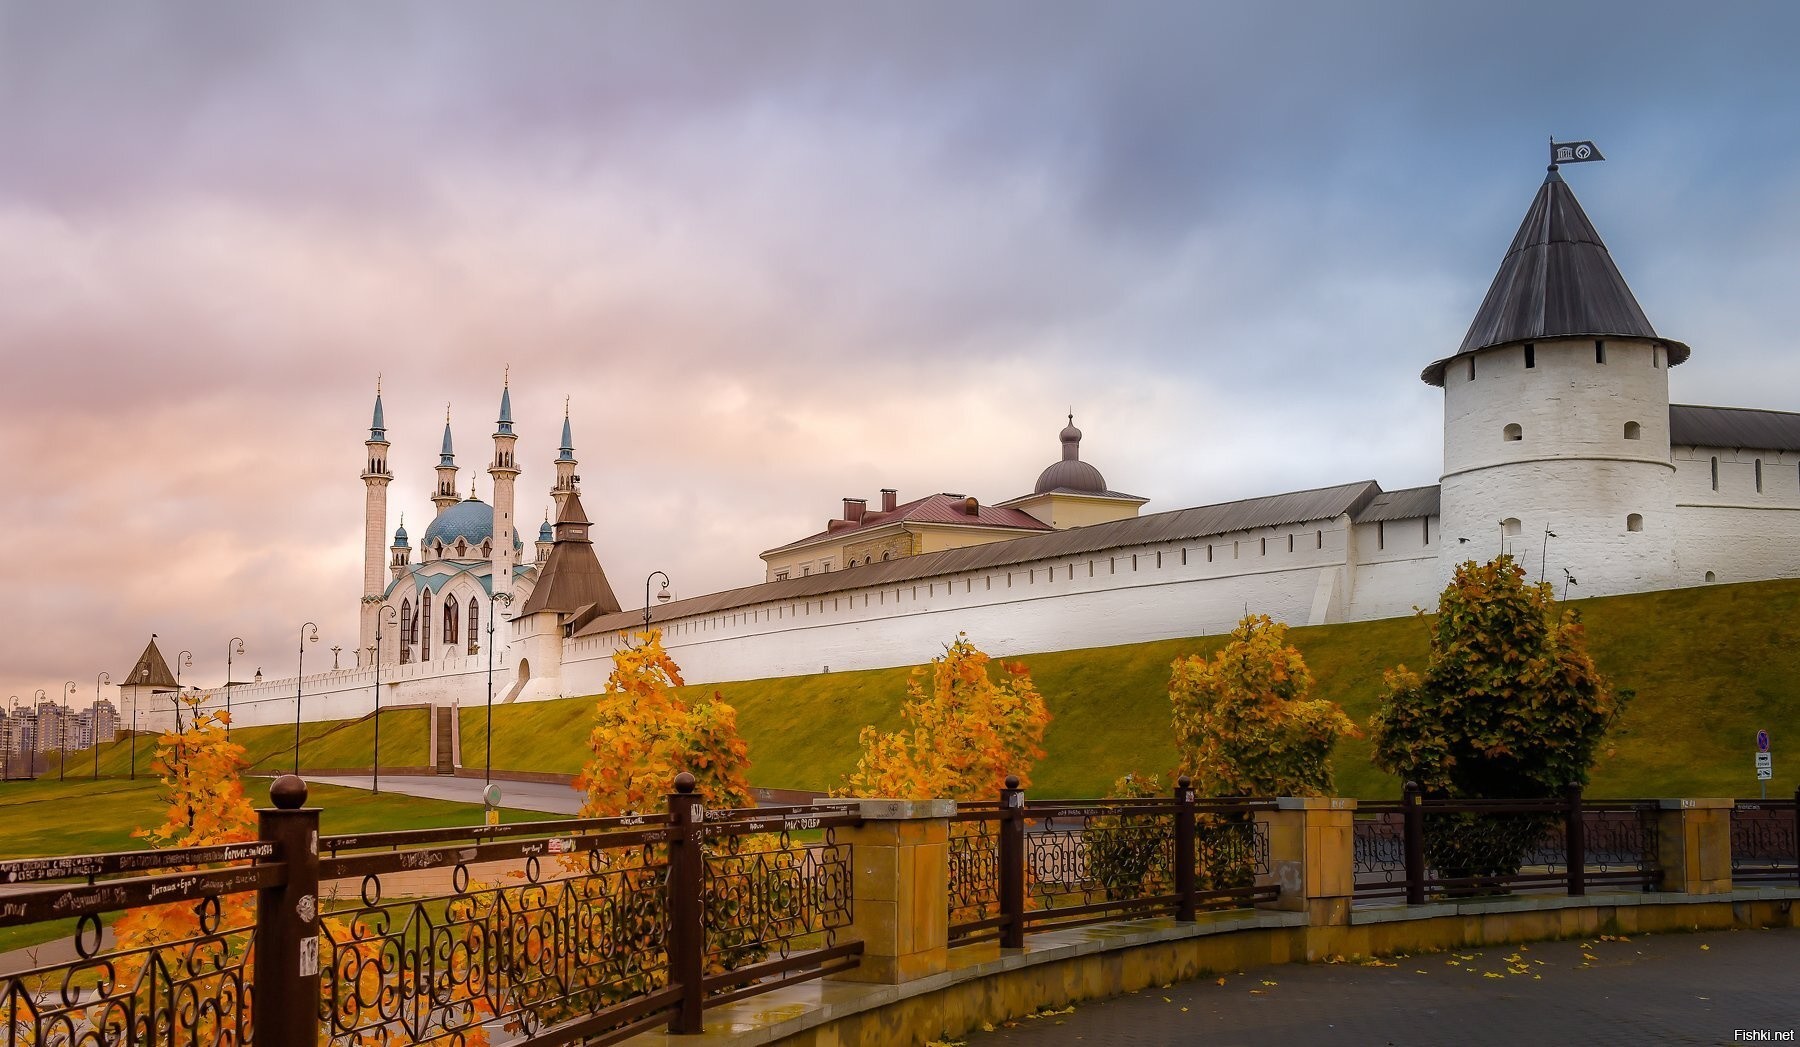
[519,796]
[1647,989]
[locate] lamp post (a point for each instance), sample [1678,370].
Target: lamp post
[1544,555]
[62,727]
[12,736]
[662,595]
[143,681]
[387,615]
[233,645]
[488,759]
[299,678]
[38,698]
[183,660]
[335,651]
[94,719]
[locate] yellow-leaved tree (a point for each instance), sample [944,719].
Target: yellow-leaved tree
[966,731]
[1245,720]
[644,735]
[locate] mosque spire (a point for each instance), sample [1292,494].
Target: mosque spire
[375,479]
[565,465]
[505,426]
[446,496]
[377,425]
[568,440]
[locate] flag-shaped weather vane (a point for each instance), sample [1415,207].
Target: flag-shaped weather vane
[1572,153]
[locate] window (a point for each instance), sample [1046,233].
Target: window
[1715,472]
[408,631]
[1471,368]
[1634,522]
[805,570]
[1319,539]
[1265,548]
[474,625]
[1513,432]
[1759,476]
[1599,351]
[425,634]
[1427,530]
[1656,357]
[889,555]
[1530,355]
[449,622]
[1509,527]
[1380,535]
[1633,431]
[781,576]
[1711,577]
[1209,558]
[1290,543]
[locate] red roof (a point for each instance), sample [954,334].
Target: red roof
[949,509]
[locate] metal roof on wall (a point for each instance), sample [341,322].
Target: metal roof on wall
[1324,503]
[1410,504]
[1695,426]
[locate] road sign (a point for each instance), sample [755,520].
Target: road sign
[1765,766]
[1762,741]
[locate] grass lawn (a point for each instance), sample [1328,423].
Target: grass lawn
[84,817]
[1710,666]
[270,748]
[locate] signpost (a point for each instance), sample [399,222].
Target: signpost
[1765,762]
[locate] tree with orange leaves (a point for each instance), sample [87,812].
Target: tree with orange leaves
[966,732]
[644,735]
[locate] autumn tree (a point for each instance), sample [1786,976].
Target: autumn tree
[644,735]
[966,730]
[1245,720]
[1510,704]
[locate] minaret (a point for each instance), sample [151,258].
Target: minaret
[565,466]
[1556,416]
[503,472]
[546,539]
[375,483]
[401,550]
[446,471]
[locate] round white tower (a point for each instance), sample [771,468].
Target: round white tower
[1556,417]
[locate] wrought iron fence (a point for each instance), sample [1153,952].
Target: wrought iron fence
[1764,834]
[584,930]
[190,987]
[1018,865]
[1419,847]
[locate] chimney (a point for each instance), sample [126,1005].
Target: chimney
[889,499]
[971,507]
[854,509]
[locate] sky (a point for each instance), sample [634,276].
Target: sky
[778,254]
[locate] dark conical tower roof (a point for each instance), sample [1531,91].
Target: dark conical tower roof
[151,670]
[1556,281]
[571,578]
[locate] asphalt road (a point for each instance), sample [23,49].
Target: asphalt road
[1648,989]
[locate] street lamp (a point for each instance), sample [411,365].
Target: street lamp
[184,659]
[12,736]
[38,698]
[94,719]
[488,760]
[388,614]
[662,595]
[1544,555]
[237,643]
[143,681]
[62,728]
[299,676]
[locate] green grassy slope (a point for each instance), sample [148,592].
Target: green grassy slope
[270,748]
[1710,666]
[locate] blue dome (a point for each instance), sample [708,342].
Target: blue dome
[471,520]
[545,534]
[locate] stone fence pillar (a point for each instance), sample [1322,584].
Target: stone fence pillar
[1694,845]
[1312,855]
[901,854]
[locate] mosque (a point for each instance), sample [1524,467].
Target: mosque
[1561,447]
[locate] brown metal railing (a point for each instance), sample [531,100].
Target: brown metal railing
[1420,847]
[1018,866]
[579,930]
[1764,834]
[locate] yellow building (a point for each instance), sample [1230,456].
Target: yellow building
[1068,493]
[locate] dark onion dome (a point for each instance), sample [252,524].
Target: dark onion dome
[1556,281]
[470,519]
[1070,474]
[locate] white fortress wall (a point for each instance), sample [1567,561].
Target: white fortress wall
[1736,532]
[1395,568]
[1135,594]
[341,694]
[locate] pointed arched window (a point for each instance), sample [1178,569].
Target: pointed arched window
[425,630]
[407,630]
[449,622]
[474,623]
